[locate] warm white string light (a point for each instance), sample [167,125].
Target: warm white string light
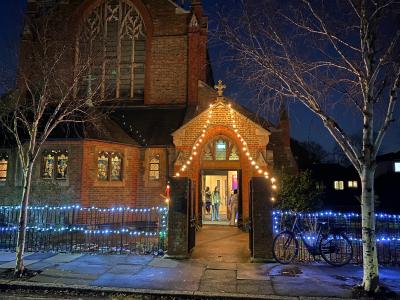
[245,149]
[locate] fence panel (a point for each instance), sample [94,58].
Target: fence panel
[387,232]
[79,229]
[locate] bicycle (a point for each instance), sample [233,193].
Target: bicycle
[332,244]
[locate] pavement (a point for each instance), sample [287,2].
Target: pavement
[219,266]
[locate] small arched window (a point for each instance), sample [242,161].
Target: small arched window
[111,51]
[220,148]
[154,172]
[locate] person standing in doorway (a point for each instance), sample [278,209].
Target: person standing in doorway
[207,196]
[216,201]
[233,203]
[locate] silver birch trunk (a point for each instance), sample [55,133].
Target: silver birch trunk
[23,218]
[370,256]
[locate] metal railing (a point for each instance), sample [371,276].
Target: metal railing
[387,232]
[80,229]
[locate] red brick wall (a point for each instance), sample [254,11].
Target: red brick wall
[109,193]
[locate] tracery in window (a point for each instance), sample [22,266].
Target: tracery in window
[154,172]
[112,39]
[62,166]
[48,165]
[116,166]
[220,148]
[55,164]
[234,155]
[102,166]
[3,166]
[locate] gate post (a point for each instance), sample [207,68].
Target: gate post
[262,235]
[178,218]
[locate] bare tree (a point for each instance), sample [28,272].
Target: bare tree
[332,56]
[49,94]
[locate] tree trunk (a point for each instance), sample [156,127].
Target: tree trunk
[370,257]
[23,218]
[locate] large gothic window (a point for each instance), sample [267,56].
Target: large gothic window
[111,51]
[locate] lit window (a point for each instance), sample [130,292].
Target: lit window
[234,153]
[352,184]
[154,173]
[62,166]
[397,167]
[102,166]
[3,166]
[48,166]
[220,150]
[55,164]
[109,166]
[116,167]
[339,185]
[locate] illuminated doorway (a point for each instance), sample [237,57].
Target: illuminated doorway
[218,212]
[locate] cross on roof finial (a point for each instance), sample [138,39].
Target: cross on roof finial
[220,88]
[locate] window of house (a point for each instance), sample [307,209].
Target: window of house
[338,185]
[55,164]
[109,166]
[352,184]
[3,166]
[112,38]
[154,172]
[397,167]
[220,149]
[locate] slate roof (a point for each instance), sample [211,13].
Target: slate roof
[151,125]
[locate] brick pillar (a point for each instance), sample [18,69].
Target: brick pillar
[178,219]
[261,220]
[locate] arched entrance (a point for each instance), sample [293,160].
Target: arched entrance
[220,179]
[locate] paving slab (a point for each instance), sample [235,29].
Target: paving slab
[253,271]
[54,273]
[7,256]
[219,276]
[125,269]
[115,259]
[63,258]
[255,287]
[42,265]
[221,266]
[163,263]
[41,255]
[11,264]
[84,268]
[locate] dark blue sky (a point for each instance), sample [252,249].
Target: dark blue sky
[304,125]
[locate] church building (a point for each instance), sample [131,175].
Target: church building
[172,118]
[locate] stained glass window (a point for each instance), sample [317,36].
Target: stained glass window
[48,165]
[220,150]
[102,166]
[116,167]
[113,36]
[3,167]
[207,153]
[154,173]
[62,166]
[234,153]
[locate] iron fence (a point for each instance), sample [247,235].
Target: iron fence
[80,229]
[387,232]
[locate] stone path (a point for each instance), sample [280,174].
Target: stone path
[219,266]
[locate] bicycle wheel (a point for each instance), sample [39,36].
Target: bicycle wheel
[285,247]
[336,249]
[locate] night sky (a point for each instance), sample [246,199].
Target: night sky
[304,125]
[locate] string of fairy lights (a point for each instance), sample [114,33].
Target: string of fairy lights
[234,126]
[71,228]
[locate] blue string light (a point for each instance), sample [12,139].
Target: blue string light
[395,219]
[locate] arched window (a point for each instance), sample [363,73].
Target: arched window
[220,148]
[116,166]
[55,164]
[111,50]
[154,172]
